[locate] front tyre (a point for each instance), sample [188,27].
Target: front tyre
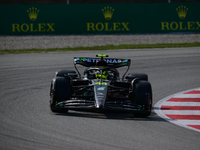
[142,93]
[60,91]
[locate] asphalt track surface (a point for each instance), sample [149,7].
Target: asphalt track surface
[26,121]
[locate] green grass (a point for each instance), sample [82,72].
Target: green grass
[108,47]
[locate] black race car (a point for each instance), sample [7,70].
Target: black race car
[101,88]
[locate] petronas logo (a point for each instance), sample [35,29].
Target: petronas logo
[182,11]
[108,12]
[33,13]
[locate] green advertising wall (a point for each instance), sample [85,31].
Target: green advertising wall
[99,18]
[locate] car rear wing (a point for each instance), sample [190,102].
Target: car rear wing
[112,62]
[91,62]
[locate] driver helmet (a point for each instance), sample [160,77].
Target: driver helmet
[104,75]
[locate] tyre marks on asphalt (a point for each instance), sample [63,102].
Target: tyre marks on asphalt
[182,109]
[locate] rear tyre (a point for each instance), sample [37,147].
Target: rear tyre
[60,91]
[142,93]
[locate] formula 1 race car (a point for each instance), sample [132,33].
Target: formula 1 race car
[101,88]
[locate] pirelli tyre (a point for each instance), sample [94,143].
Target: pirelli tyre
[142,93]
[60,91]
[139,76]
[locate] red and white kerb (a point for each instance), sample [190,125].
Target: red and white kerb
[182,109]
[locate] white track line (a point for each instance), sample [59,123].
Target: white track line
[187,96]
[181,112]
[181,104]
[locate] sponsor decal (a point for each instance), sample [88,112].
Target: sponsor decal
[181,25]
[108,12]
[33,27]
[33,13]
[182,11]
[101,88]
[94,60]
[108,26]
